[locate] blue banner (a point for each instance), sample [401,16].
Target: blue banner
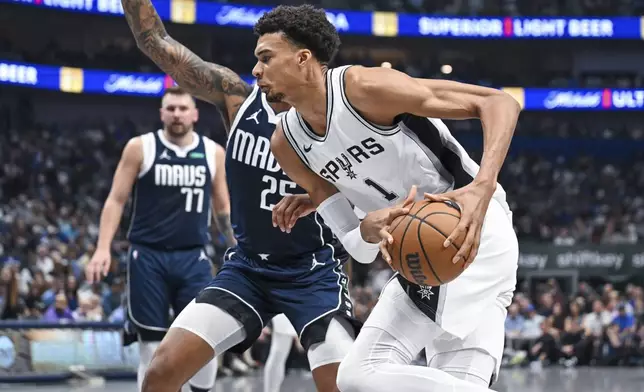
[509,28]
[578,99]
[376,23]
[77,80]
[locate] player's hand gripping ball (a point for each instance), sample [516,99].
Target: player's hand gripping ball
[417,251]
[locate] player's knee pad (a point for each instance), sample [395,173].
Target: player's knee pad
[472,365]
[205,378]
[215,326]
[280,347]
[146,351]
[339,338]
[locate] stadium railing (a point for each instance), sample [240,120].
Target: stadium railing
[39,351]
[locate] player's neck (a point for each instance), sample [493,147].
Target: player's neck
[310,101]
[181,141]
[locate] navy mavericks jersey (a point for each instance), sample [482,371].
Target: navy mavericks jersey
[257,183]
[171,206]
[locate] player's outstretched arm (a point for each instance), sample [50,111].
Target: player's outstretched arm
[124,177]
[207,81]
[221,198]
[381,94]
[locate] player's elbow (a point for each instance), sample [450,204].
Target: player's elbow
[115,201]
[501,99]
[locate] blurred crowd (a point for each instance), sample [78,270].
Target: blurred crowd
[596,326]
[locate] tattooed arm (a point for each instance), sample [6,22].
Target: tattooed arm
[207,81]
[221,197]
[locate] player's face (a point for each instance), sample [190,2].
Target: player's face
[280,66]
[179,114]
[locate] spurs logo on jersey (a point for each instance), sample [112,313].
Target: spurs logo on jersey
[380,164]
[360,153]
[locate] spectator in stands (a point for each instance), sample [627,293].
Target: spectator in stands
[625,321]
[59,311]
[89,308]
[545,348]
[514,323]
[572,339]
[532,325]
[9,296]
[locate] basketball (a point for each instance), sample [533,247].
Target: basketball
[417,252]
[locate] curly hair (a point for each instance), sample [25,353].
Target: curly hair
[305,27]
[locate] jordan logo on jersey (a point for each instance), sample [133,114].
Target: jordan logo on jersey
[315,263]
[254,116]
[360,153]
[164,155]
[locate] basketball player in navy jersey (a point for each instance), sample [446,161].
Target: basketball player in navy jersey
[176,175]
[296,272]
[365,137]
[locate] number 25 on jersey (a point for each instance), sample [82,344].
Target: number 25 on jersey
[285,188]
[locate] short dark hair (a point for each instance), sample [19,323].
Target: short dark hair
[305,26]
[176,90]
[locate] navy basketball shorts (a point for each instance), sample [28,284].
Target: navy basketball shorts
[159,280]
[310,290]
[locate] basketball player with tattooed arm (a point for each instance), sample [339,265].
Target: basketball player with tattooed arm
[365,137]
[295,274]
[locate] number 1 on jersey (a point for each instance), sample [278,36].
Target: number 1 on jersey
[390,196]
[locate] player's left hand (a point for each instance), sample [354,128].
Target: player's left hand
[473,199]
[290,209]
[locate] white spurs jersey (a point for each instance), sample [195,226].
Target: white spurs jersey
[375,166]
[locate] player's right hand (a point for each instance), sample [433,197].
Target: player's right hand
[98,266]
[376,225]
[290,209]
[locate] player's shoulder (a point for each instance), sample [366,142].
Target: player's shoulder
[212,146]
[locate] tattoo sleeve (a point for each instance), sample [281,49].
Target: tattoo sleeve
[223,223]
[207,81]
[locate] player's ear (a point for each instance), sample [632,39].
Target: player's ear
[304,56]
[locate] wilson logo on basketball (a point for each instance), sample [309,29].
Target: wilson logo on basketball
[415,269]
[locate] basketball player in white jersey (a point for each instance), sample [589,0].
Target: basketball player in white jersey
[366,136]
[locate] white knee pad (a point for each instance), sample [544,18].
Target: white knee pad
[473,365]
[206,376]
[146,352]
[216,327]
[339,338]
[282,325]
[276,362]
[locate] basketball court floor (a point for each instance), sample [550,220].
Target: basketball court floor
[519,380]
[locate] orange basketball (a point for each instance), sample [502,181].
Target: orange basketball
[417,251]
